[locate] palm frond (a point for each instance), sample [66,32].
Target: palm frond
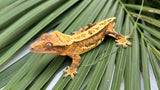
[104,67]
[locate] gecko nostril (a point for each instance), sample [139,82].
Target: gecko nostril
[31,49]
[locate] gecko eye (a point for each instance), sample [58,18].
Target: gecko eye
[48,45]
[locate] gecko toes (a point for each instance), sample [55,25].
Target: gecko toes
[65,75]
[129,36]
[123,41]
[75,73]
[124,45]
[129,43]
[118,44]
[70,72]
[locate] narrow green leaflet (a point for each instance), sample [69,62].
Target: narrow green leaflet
[145,8]
[155,52]
[67,22]
[128,67]
[10,7]
[152,31]
[103,14]
[145,71]
[4,3]
[155,66]
[8,18]
[10,34]
[66,63]
[153,41]
[9,72]
[135,79]
[148,19]
[128,71]
[33,73]
[49,71]
[107,77]
[79,22]
[24,70]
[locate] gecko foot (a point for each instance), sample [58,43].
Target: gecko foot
[70,72]
[123,41]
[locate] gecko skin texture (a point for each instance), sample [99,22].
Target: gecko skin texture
[80,42]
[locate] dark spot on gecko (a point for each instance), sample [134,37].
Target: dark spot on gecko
[83,35]
[109,20]
[89,32]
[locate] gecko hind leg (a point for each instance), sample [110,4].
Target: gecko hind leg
[121,40]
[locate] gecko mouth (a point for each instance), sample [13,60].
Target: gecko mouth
[43,52]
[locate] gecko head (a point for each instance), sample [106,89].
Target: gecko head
[47,45]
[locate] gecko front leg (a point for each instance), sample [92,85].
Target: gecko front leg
[72,69]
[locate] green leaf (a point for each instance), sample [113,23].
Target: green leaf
[8,18]
[4,3]
[10,71]
[145,8]
[35,71]
[153,41]
[128,67]
[155,52]
[10,7]
[34,31]
[10,34]
[135,79]
[145,71]
[103,67]
[155,66]
[150,30]
[148,19]
[24,70]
